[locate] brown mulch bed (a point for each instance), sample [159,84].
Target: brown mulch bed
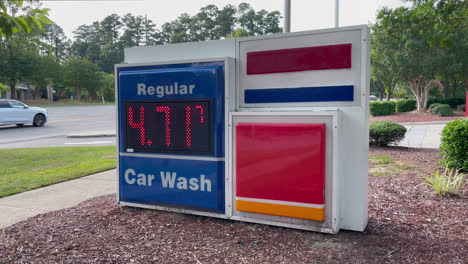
[407,224]
[416,116]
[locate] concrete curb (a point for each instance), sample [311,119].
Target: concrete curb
[424,123]
[90,135]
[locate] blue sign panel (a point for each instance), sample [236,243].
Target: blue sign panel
[193,183]
[171,135]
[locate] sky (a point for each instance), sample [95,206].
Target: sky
[305,14]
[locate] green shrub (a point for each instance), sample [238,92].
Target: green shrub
[446,184]
[382,133]
[453,102]
[435,100]
[461,107]
[381,108]
[434,106]
[442,110]
[406,105]
[454,144]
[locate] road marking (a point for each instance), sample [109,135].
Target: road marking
[78,119]
[88,143]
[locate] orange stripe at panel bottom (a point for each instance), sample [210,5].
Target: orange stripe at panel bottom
[317,214]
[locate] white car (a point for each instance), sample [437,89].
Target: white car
[13,112]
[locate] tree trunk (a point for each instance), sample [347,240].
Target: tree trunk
[391,88]
[421,91]
[453,88]
[78,95]
[12,90]
[380,96]
[50,92]
[38,93]
[419,104]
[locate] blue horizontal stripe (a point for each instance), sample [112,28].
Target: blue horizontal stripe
[302,94]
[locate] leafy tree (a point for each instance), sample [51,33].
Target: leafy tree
[134,30]
[420,44]
[46,71]
[56,42]
[149,32]
[452,37]
[109,28]
[111,54]
[258,23]
[181,30]
[208,18]
[102,42]
[16,55]
[85,36]
[226,21]
[16,17]
[81,75]
[238,33]
[384,67]
[107,86]
[247,18]
[418,61]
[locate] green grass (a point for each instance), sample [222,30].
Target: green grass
[384,166]
[26,169]
[379,159]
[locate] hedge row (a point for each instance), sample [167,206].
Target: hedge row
[381,108]
[453,102]
[406,105]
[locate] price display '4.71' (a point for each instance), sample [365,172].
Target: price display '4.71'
[169,127]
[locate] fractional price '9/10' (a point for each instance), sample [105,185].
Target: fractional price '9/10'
[168,127]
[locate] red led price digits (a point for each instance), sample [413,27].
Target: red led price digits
[201,113]
[188,123]
[167,110]
[188,129]
[139,125]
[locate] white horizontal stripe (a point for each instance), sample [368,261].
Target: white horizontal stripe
[280,202]
[88,143]
[161,156]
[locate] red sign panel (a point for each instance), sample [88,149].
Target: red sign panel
[280,169]
[299,59]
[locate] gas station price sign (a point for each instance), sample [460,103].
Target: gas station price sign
[171,135]
[179,127]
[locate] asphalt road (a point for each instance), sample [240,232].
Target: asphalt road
[63,120]
[68,120]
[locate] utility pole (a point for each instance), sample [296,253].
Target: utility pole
[337,12]
[287,16]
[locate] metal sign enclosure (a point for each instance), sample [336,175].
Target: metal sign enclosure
[270,129]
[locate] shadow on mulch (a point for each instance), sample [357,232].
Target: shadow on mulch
[407,224]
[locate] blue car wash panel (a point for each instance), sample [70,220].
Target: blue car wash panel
[198,184]
[171,134]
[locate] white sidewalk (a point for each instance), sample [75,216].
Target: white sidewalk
[422,135]
[18,207]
